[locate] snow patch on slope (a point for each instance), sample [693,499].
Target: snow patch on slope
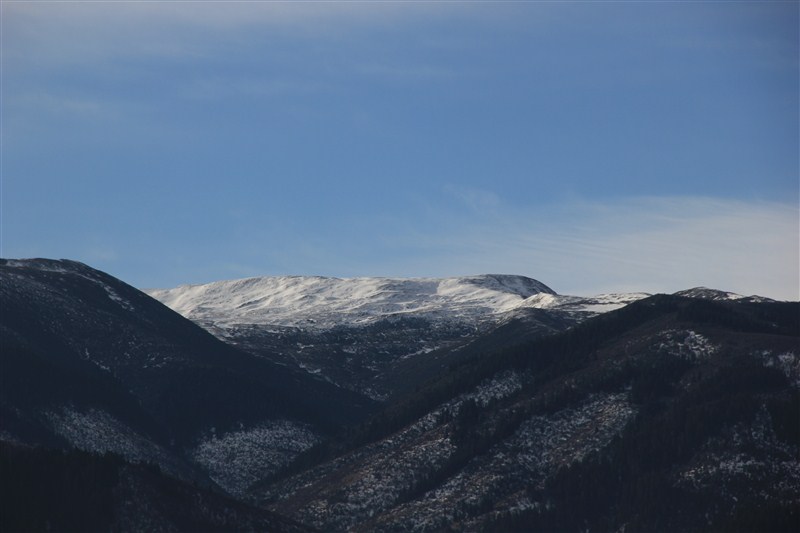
[729,464]
[686,344]
[498,479]
[238,459]
[96,431]
[788,363]
[500,386]
[586,305]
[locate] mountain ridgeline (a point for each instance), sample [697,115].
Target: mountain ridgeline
[375,336]
[487,403]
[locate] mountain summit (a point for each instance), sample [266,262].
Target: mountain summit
[704,293]
[375,336]
[324,302]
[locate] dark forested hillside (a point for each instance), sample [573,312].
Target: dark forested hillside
[92,363]
[670,414]
[52,490]
[64,317]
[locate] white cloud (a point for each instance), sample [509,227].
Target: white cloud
[639,244]
[584,248]
[473,198]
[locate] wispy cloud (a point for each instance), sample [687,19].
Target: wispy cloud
[474,199]
[60,104]
[203,50]
[649,244]
[635,244]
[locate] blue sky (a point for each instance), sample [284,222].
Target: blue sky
[593,146]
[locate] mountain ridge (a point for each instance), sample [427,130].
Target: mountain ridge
[372,335]
[671,412]
[321,302]
[719,295]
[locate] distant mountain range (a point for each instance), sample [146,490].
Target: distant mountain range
[375,336]
[484,403]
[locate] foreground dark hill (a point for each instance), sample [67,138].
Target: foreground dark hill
[52,490]
[88,361]
[672,413]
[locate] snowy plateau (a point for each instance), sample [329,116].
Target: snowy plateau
[370,334]
[320,303]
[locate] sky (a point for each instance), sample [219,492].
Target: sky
[594,146]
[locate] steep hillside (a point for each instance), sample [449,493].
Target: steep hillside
[93,363]
[668,414]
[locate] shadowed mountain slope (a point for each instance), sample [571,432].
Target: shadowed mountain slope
[668,414]
[89,361]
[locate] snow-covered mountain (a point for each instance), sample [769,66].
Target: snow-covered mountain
[705,293]
[322,302]
[366,333]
